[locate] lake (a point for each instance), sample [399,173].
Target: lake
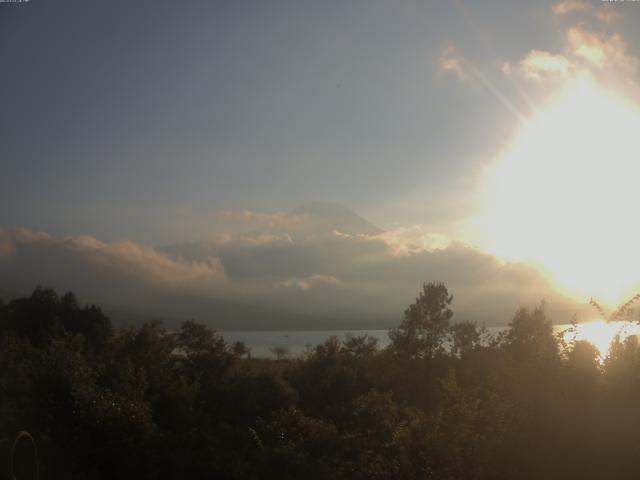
[599,333]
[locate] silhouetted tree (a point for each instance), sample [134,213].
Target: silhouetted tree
[465,336]
[360,346]
[426,322]
[240,349]
[530,335]
[279,351]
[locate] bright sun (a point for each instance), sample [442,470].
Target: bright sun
[600,333]
[563,195]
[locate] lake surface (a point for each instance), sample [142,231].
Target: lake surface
[296,342]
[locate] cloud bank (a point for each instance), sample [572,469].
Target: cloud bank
[291,273]
[592,46]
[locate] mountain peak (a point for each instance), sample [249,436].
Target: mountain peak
[333,216]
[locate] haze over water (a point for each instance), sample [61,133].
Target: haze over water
[599,333]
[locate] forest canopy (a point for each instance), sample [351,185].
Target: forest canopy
[445,400]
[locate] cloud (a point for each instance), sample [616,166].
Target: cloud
[80,257]
[143,262]
[606,13]
[269,220]
[539,64]
[404,241]
[601,51]
[327,279]
[309,282]
[257,239]
[375,276]
[602,11]
[451,62]
[6,247]
[605,57]
[569,6]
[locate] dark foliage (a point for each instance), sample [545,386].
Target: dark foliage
[444,401]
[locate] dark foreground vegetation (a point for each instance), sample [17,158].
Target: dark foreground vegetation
[444,401]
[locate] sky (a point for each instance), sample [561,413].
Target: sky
[155,152]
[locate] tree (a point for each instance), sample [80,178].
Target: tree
[240,349]
[583,362]
[196,338]
[279,351]
[89,321]
[464,337]
[426,322]
[45,315]
[530,335]
[361,346]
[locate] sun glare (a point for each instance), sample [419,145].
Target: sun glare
[563,194]
[601,333]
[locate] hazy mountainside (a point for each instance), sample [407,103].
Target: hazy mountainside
[329,217]
[319,266]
